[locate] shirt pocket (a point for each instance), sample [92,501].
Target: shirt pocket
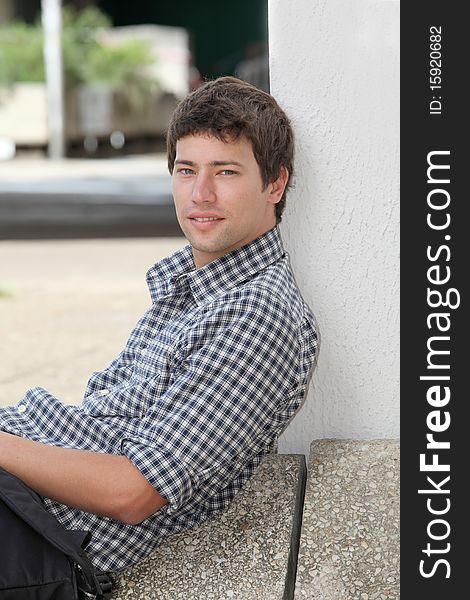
[154,357]
[131,399]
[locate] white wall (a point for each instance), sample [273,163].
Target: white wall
[335,70]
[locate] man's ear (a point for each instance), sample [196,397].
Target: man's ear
[276,188]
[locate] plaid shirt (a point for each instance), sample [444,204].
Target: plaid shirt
[210,376]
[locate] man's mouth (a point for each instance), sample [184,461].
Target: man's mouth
[205,219]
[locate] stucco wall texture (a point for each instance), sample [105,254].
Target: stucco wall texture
[335,70]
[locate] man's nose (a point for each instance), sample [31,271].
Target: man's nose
[203,189]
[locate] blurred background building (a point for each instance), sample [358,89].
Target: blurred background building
[126,65]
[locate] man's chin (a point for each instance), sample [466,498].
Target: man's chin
[207,242]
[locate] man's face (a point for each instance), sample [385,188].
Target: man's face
[219,196]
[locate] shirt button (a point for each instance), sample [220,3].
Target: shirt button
[104,392]
[143,352]
[22,408]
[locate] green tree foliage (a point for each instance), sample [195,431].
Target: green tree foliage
[87,59]
[21,55]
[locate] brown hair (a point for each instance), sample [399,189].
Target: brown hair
[228,108]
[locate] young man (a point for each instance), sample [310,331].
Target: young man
[214,370]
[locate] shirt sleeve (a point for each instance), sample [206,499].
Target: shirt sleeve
[235,368]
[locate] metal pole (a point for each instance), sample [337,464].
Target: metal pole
[52,25]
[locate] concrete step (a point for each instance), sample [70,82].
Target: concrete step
[70,198]
[84,207]
[248,552]
[349,547]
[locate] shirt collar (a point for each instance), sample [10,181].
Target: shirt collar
[220,274]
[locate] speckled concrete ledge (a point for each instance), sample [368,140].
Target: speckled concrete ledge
[248,552]
[349,546]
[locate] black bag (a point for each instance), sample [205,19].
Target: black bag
[39,559]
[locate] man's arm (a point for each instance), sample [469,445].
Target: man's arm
[104,484]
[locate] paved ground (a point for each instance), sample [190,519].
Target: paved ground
[67,307]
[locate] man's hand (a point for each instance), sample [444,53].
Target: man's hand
[105,484]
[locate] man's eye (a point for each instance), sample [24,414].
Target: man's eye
[185,171]
[227,172]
